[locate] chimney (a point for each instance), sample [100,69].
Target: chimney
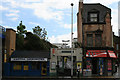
[80,0]
[10,42]
[108,30]
[79,22]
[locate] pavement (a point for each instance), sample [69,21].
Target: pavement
[116,76]
[63,78]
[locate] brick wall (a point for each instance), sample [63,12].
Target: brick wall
[10,42]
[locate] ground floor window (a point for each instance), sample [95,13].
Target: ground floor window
[25,66]
[109,65]
[35,65]
[17,66]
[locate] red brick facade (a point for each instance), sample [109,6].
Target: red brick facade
[105,29]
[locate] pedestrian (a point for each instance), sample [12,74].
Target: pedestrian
[78,71]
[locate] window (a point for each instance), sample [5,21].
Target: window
[35,66]
[89,40]
[93,17]
[17,66]
[98,40]
[25,67]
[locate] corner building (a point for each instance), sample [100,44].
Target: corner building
[96,36]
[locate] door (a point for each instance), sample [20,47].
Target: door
[94,65]
[44,68]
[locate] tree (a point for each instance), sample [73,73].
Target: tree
[19,42]
[38,31]
[33,42]
[21,29]
[44,33]
[20,37]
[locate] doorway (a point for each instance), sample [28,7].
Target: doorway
[44,68]
[94,66]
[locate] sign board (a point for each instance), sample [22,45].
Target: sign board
[79,65]
[28,59]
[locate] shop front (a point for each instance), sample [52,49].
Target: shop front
[28,63]
[100,62]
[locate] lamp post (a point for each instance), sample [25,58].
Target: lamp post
[72,39]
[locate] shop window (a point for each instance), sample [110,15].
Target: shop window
[35,65]
[17,66]
[98,40]
[109,65]
[25,67]
[89,40]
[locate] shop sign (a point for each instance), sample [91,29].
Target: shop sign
[28,59]
[53,51]
[79,67]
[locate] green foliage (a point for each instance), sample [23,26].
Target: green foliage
[21,29]
[19,42]
[33,42]
[38,31]
[36,41]
[20,37]
[42,33]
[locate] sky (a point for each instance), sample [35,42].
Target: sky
[53,15]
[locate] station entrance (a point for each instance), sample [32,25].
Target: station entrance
[64,63]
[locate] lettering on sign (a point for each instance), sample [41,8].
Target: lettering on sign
[28,59]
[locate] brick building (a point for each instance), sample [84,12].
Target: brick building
[10,43]
[94,23]
[96,36]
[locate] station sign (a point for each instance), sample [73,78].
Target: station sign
[28,59]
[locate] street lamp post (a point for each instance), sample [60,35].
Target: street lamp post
[72,39]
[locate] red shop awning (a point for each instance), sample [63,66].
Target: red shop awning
[112,54]
[96,53]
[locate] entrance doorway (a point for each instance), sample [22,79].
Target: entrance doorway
[94,65]
[44,68]
[64,63]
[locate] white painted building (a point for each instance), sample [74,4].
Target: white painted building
[62,58]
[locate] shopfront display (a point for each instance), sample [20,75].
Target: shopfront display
[101,66]
[88,64]
[101,62]
[109,67]
[88,70]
